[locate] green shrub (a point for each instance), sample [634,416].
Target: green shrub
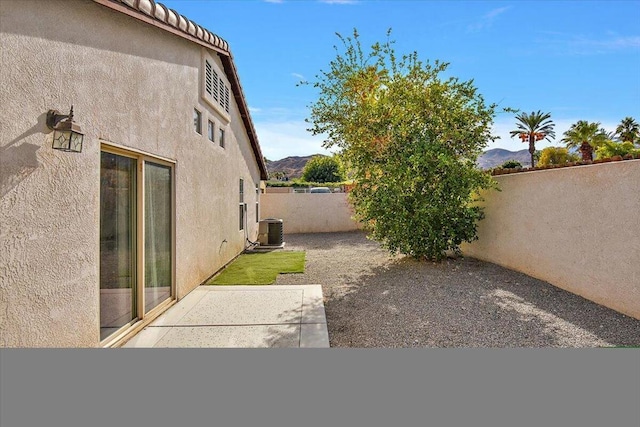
[511,164]
[611,148]
[411,139]
[556,156]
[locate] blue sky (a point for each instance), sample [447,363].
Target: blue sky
[576,60]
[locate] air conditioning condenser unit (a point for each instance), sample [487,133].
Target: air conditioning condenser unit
[271,233]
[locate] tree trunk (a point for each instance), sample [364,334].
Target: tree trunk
[532,147]
[587,151]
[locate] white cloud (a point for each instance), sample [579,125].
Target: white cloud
[486,21]
[577,44]
[298,76]
[495,12]
[619,42]
[580,45]
[280,139]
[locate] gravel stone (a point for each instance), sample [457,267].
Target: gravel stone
[374,299]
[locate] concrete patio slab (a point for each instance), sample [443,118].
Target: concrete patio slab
[246,307]
[249,336]
[241,317]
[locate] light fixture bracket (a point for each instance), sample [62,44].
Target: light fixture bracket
[54,117]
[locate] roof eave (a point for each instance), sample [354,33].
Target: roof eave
[160,16]
[230,70]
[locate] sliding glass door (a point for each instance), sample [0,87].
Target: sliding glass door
[136,238]
[117,242]
[157,234]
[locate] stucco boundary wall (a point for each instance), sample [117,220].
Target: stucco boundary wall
[309,213]
[577,228]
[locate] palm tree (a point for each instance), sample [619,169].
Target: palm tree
[586,136]
[628,130]
[610,135]
[533,127]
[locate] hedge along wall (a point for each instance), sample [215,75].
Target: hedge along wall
[309,213]
[577,228]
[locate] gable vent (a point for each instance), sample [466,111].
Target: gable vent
[209,78]
[217,90]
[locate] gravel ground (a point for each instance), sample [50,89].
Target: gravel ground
[373,299]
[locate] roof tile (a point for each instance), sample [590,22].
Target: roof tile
[172,18]
[191,28]
[161,12]
[146,6]
[182,23]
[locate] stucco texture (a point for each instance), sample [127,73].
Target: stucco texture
[133,85]
[310,213]
[575,228]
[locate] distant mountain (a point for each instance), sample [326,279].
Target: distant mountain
[497,156]
[292,166]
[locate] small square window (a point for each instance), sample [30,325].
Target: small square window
[211,130]
[221,137]
[197,121]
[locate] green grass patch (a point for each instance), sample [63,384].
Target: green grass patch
[260,268]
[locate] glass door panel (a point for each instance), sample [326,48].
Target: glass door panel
[157,234]
[117,242]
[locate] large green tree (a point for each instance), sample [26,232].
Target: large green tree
[411,139]
[586,136]
[323,169]
[533,127]
[629,130]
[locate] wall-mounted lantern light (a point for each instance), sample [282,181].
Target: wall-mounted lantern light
[67,135]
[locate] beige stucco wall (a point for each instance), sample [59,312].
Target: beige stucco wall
[280,190]
[310,213]
[576,228]
[132,85]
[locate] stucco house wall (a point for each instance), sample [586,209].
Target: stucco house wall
[573,227]
[133,85]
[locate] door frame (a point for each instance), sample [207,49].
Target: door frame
[143,319]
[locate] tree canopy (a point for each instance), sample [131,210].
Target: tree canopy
[511,164]
[628,130]
[586,136]
[410,138]
[533,127]
[556,156]
[323,169]
[583,131]
[612,148]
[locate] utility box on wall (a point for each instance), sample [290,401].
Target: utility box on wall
[271,232]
